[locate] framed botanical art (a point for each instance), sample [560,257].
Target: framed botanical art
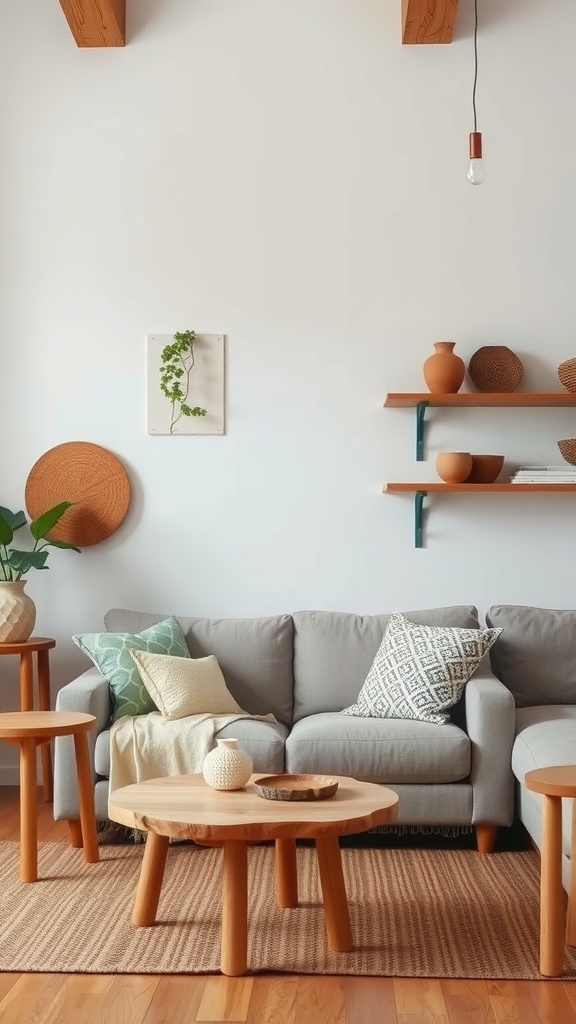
[186,383]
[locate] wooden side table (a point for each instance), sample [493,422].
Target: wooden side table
[31,729]
[39,646]
[554,783]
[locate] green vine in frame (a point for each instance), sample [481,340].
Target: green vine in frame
[177,363]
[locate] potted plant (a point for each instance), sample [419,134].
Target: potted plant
[17,610]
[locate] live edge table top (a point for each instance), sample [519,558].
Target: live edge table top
[185,807]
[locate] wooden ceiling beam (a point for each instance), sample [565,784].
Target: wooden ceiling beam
[96,22]
[428,21]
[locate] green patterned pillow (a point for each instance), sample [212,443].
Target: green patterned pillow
[110,652]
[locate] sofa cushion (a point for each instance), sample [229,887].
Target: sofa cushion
[536,655]
[110,652]
[185,686]
[378,750]
[264,741]
[255,655]
[420,672]
[333,652]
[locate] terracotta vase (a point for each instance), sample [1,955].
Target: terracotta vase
[454,467]
[444,370]
[227,766]
[17,613]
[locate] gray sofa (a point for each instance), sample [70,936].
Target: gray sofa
[535,658]
[305,668]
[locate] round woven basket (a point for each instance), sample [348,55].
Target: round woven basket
[89,476]
[568,450]
[567,374]
[495,368]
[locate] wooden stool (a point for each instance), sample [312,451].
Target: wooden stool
[554,783]
[40,646]
[31,729]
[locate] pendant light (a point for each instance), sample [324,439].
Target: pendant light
[476,172]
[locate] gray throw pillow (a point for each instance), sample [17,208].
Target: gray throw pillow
[419,672]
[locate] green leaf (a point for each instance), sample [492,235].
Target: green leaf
[47,521]
[63,544]
[14,519]
[6,531]
[22,561]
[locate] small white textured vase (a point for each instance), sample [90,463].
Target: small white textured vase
[227,766]
[17,613]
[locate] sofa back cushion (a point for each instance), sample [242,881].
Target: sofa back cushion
[535,656]
[333,652]
[255,655]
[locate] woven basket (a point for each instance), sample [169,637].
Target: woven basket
[495,368]
[568,450]
[567,374]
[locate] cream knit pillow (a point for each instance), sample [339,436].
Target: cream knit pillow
[185,686]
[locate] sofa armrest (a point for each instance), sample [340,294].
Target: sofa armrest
[490,714]
[90,694]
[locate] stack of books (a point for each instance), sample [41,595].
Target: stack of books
[544,475]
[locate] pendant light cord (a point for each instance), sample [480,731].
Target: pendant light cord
[475,63]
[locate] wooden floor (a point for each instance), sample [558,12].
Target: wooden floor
[273,999]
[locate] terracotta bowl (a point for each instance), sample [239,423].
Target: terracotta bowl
[453,467]
[485,469]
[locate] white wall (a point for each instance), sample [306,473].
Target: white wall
[287,173]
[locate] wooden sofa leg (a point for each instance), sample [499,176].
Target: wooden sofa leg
[75,832]
[486,838]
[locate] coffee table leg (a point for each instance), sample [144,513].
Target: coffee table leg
[234,941]
[86,799]
[286,873]
[571,916]
[28,809]
[338,929]
[150,882]
[551,891]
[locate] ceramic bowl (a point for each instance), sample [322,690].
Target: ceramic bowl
[485,469]
[453,467]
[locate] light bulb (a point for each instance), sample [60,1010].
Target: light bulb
[476,172]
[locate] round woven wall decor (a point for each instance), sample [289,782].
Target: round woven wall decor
[495,368]
[91,477]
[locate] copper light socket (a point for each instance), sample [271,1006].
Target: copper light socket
[475,145]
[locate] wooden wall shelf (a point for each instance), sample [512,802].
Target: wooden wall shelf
[421,401]
[421,490]
[462,400]
[481,399]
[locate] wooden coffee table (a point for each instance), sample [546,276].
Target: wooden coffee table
[554,783]
[184,807]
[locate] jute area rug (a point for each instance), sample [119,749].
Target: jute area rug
[414,913]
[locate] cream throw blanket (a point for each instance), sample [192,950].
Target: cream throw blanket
[152,747]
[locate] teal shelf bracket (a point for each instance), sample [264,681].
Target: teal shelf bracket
[418,517]
[420,418]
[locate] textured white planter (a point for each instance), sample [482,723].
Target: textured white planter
[17,613]
[227,766]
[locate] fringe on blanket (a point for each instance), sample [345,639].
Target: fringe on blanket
[448,831]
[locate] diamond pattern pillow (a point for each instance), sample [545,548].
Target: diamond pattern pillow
[110,652]
[419,672]
[185,686]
